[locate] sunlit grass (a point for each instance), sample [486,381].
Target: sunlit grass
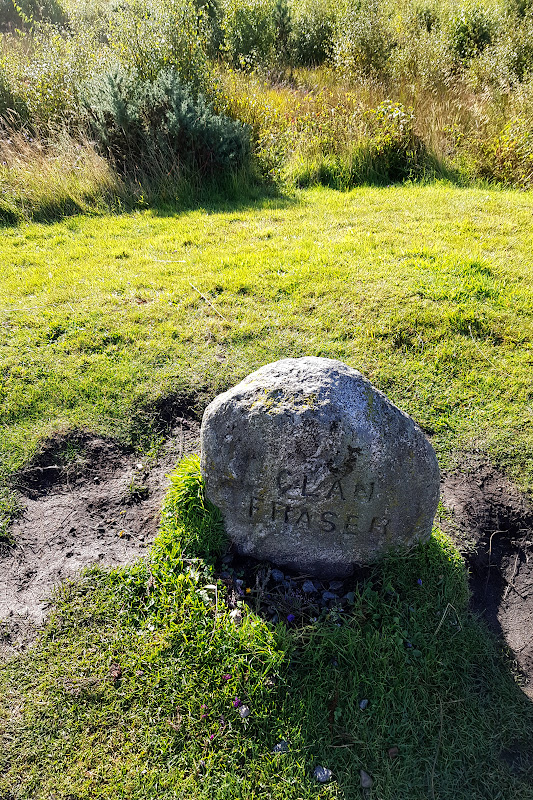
[426,290]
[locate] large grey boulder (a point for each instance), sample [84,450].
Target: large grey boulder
[315,469]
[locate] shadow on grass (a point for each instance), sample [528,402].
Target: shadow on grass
[220,196]
[404,684]
[395,678]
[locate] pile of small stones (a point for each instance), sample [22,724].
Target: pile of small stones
[284,596]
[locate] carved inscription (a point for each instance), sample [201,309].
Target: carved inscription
[298,497]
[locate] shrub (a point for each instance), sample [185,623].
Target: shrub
[154,35]
[158,127]
[509,60]
[427,18]
[392,145]
[24,13]
[313,25]
[470,30]
[380,147]
[363,41]
[210,25]
[249,31]
[45,71]
[508,158]
[422,57]
[282,28]
[12,107]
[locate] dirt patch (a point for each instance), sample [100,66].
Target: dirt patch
[85,501]
[492,523]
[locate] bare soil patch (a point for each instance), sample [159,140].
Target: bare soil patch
[491,521]
[85,500]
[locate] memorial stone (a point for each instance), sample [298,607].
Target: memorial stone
[316,470]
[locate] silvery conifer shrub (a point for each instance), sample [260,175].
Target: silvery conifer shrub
[153,126]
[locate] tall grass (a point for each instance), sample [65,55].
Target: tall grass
[45,178]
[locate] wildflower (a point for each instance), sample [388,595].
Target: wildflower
[226,677]
[236,703]
[419,581]
[290,617]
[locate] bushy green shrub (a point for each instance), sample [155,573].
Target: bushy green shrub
[24,13]
[209,17]
[149,36]
[283,29]
[249,31]
[313,25]
[509,60]
[45,72]
[508,158]
[427,18]
[158,128]
[364,39]
[382,148]
[12,108]
[424,58]
[392,145]
[519,8]
[470,29]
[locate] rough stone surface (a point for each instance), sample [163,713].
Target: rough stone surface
[314,469]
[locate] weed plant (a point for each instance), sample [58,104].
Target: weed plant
[145,685]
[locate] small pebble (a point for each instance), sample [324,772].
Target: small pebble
[281,747]
[328,596]
[323,774]
[335,586]
[309,587]
[243,712]
[363,704]
[277,575]
[393,752]
[366,780]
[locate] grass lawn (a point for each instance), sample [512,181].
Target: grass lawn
[426,290]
